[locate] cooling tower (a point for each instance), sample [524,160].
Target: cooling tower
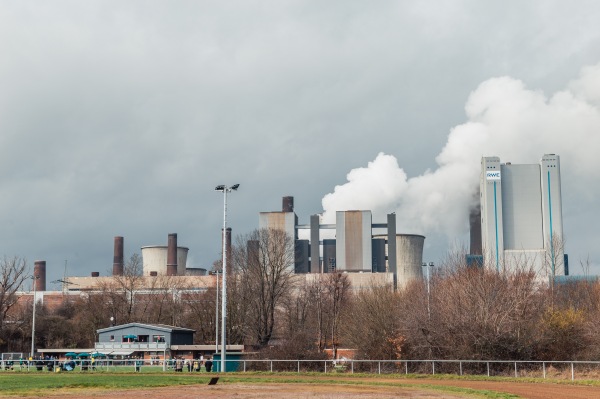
[409,257]
[154,259]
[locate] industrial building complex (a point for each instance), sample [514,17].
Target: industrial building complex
[367,257]
[521,216]
[516,225]
[356,249]
[518,222]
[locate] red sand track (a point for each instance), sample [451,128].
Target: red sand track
[325,390]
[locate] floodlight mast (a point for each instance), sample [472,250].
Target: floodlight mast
[224,189]
[34,283]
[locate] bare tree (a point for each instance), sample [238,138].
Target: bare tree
[296,308]
[479,313]
[12,275]
[199,314]
[119,292]
[338,287]
[329,296]
[298,324]
[265,261]
[374,326]
[554,264]
[318,293]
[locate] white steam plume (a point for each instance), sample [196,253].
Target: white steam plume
[505,119]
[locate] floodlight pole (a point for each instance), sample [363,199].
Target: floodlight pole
[217,314]
[225,190]
[33,278]
[427,266]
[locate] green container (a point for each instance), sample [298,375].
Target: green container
[232,362]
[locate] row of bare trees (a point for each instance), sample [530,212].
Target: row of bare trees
[468,313]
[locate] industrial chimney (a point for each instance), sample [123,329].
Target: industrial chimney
[475,231]
[118,257]
[287,204]
[228,248]
[39,274]
[172,255]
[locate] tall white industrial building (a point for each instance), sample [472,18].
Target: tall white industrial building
[521,216]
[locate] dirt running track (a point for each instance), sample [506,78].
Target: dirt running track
[523,389]
[406,388]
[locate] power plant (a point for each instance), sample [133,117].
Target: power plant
[521,216]
[517,221]
[367,258]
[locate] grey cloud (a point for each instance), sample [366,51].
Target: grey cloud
[120,118]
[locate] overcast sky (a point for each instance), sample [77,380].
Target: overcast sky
[120,118]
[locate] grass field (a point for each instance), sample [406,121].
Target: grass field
[115,383]
[32,383]
[40,383]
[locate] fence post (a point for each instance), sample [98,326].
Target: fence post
[432,367]
[244,366]
[488,368]
[460,367]
[352,366]
[544,368]
[271,366]
[379,367]
[572,372]
[406,367]
[516,374]
[298,366]
[325,366]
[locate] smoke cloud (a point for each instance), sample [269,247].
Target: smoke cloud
[505,119]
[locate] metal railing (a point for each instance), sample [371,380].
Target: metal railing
[507,368]
[133,346]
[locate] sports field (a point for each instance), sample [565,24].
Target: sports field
[188,386]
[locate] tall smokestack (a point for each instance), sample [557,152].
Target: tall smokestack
[172,255]
[228,248]
[39,272]
[287,204]
[118,257]
[475,231]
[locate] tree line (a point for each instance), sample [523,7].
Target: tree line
[467,312]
